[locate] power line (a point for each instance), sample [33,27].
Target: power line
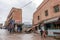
[27,4]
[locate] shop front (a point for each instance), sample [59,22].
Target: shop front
[52,25]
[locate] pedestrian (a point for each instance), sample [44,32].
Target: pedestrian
[11,25]
[41,31]
[10,28]
[44,34]
[18,27]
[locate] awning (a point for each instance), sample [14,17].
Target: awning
[52,20]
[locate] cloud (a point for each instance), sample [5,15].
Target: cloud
[28,12]
[37,2]
[6,5]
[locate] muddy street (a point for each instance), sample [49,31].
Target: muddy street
[5,35]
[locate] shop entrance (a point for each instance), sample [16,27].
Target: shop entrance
[52,25]
[47,26]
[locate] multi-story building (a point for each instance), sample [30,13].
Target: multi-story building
[48,14]
[1,25]
[16,15]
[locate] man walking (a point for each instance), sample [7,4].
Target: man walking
[11,25]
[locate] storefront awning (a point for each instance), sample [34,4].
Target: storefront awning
[51,20]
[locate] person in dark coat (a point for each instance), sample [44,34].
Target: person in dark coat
[41,32]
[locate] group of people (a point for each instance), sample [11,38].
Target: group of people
[12,27]
[43,32]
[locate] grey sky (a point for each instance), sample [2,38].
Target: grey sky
[6,5]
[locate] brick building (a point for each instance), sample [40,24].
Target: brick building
[1,25]
[15,14]
[48,13]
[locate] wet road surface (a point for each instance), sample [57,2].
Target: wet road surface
[5,35]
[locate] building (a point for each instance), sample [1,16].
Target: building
[1,25]
[16,15]
[48,14]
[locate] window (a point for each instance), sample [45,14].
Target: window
[38,17]
[56,8]
[46,13]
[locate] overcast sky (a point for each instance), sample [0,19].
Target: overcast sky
[28,10]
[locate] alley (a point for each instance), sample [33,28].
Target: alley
[5,35]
